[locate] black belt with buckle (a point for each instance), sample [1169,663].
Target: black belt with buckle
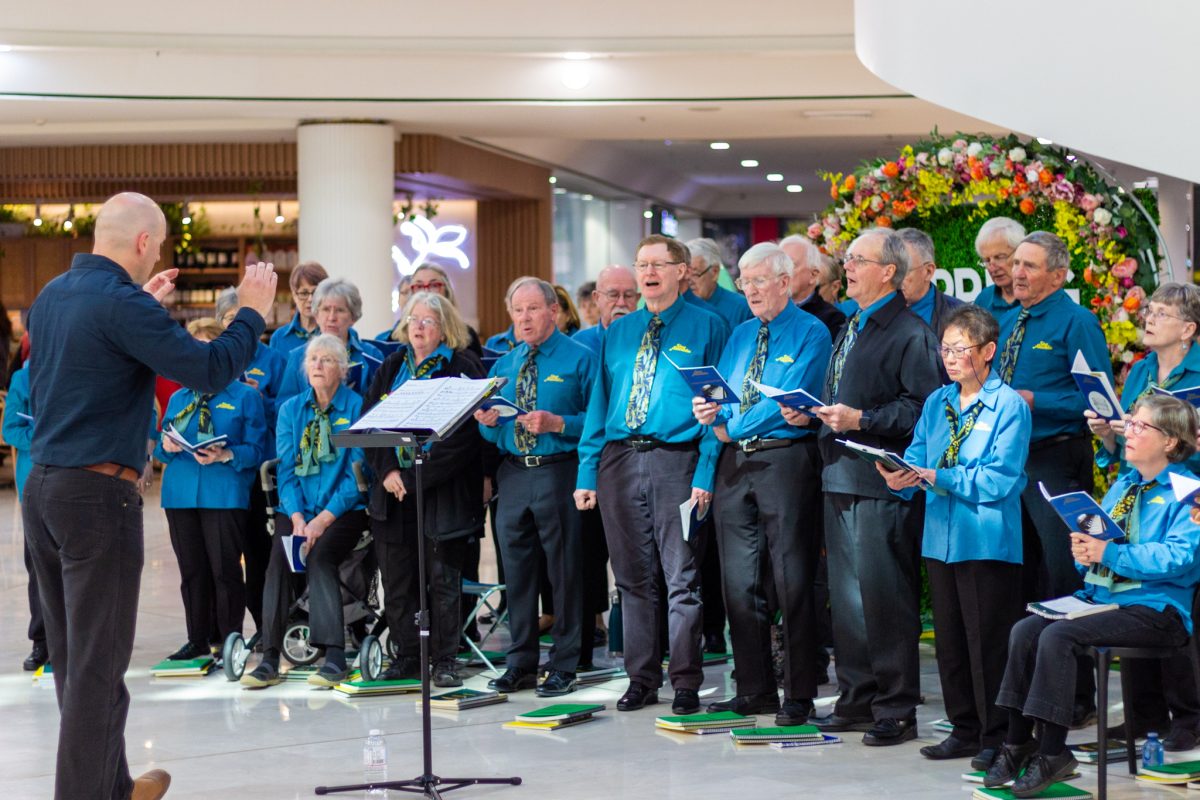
[642,444]
[754,445]
[533,462]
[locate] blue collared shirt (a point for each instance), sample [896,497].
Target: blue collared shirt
[334,488]
[291,336]
[847,306]
[691,336]
[1057,329]
[798,350]
[99,342]
[1164,558]
[365,358]
[695,300]
[566,371]
[923,308]
[592,338]
[989,298]
[403,375]
[871,309]
[502,342]
[979,516]
[18,431]
[729,306]
[237,412]
[267,369]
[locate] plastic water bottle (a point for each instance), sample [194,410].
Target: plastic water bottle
[1152,751]
[375,763]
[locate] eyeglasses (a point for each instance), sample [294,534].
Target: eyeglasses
[957,352]
[999,258]
[303,294]
[704,271]
[613,296]
[757,283]
[858,261]
[324,361]
[655,266]
[432,286]
[1137,427]
[423,322]
[1153,314]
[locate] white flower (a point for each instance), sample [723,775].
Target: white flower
[1031,175]
[877,173]
[996,167]
[1127,357]
[876,203]
[1017,154]
[1102,216]
[945,156]
[829,233]
[974,149]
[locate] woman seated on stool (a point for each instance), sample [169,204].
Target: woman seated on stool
[319,499]
[205,496]
[1151,575]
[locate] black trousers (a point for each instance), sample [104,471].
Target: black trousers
[639,495]
[711,589]
[326,620]
[207,542]
[256,548]
[537,522]
[874,550]
[396,548]
[1164,693]
[1035,681]
[594,577]
[85,535]
[37,622]
[1049,569]
[764,505]
[974,609]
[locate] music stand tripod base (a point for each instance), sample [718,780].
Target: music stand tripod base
[428,785]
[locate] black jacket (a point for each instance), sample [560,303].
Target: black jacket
[827,312]
[943,304]
[889,372]
[452,477]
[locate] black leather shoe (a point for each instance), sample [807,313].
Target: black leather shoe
[794,712]
[748,704]
[514,679]
[687,701]
[1179,739]
[1042,772]
[950,747]
[557,683]
[983,762]
[891,731]
[835,724]
[637,696]
[1010,760]
[445,674]
[38,656]
[404,668]
[1082,716]
[189,651]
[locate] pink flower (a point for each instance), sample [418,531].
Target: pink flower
[814,231]
[1127,282]
[1121,232]
[1061,189]
[1089,202]
[922,158]
[1126,269]
[959,144]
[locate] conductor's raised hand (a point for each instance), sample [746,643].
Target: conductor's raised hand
[257,289]
[162,284]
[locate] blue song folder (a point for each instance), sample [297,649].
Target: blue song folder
[706,383]
[1096,389]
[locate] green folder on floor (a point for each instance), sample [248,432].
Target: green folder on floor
[560,712]
[1056,791]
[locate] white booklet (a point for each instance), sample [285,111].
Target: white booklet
[178,438]
[435,405]
[796,398]
[296,550]
[1069,607]
[690,519]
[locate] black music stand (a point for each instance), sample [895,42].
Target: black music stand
[426,784]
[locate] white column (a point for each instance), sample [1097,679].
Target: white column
[346,179]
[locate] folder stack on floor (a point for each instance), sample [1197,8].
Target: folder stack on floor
[705,723]
[185,668]
[559,715]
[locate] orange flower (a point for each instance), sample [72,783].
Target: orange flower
[977,172]
[1087,276]
[1027,206]
[849,184]
[1045,176]
[891,169]
[884,222]
[1132,303]
[833,191]
[1002,194]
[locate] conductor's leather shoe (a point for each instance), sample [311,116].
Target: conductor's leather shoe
[1042,772]
[557,683]
[891,731]
[1009,762]
[637,696]
[38,656]
[687,701]
[748,704]
[950,747]
[794,712]
[514,679]
[835,724]
[151,786]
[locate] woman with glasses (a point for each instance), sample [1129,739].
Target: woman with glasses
[303,282]
[1150,574]
[435,346]
[432,278]
[336,306]
[969,450]
[995,243]
[1167,697]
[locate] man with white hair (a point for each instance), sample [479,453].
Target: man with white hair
[705,269]
[616,295]
[768,491]
[806,271]
[924,299]
[995,243]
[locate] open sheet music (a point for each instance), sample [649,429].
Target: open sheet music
[433,406]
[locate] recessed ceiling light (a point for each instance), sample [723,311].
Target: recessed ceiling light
[553,179]
[575,76]
[648,214]
[559,190]
[749,162]
[1044,140]
[588,197]
[795,187]
[577,56]
[774,177]
[719,145]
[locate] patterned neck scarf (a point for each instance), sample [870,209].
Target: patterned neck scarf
[960,429]
[644,366]
[1126,513]
[316,443]
[197,405]
[406,455]
[527,380]
[750,392]
[1012,348]
[839,358]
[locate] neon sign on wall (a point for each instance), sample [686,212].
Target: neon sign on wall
[428,241]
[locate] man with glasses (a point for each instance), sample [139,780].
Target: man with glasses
[1039,339]
[705,269]
[615,296]
[924,299]
[884,365]
[806,271]
[768,491]
[995,243]
[641,456]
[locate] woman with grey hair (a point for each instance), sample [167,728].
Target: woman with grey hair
[432,278]
[336,305]
[995,243]
[320,502]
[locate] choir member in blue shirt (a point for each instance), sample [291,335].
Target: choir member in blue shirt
[616,295]
[768,490]
[703,272]
[995,243]
[1039,340]
[924,299]
[319,500]
[550,377]
[969,449]
[1150,574]
[303,326]
[640,439]
[205,496]
[337,305]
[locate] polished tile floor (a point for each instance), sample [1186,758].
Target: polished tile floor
[219,741]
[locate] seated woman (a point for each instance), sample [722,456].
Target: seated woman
[205,496]
[436,342]
[336,306]
[1150,574]
[319,499]
[969,446]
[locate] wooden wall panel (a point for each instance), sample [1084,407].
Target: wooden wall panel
[514,239]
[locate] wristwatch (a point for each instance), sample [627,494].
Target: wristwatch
[864,420]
